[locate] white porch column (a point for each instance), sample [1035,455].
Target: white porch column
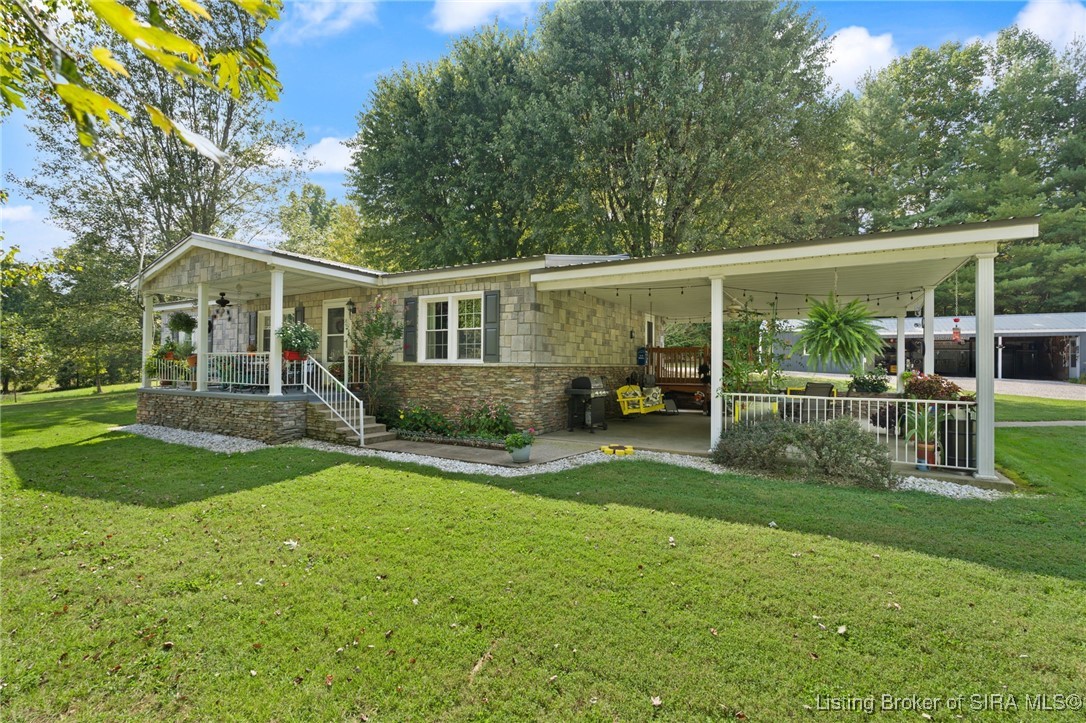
[929,329]
[985,305]
[716,361]
[148,336]
[199,338]
[900,352]
[999,358]
[275,362]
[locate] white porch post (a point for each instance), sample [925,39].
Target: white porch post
[199,339]
[929,329]
[900,352]
[716,361]
[985,304]
[275,362]
[148,336]
[999,358]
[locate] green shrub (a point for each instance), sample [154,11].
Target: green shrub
[488,419]
[840,452]
[870,383]
[761,447]
[420,419]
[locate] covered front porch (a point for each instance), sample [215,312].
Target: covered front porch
[893,273]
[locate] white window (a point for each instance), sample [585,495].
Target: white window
[451,328]
[263,331]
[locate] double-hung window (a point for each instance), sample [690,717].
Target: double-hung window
[452,328]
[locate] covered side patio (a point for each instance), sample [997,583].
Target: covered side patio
[893,273]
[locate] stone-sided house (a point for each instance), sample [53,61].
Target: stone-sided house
[517,331]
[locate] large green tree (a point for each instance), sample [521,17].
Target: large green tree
[45,57]
[316,225]
[972,133]
[155,188]
[644,128]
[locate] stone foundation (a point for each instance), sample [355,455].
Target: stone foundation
[266,419]
[534,393]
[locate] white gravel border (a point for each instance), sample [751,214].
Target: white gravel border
[239,445]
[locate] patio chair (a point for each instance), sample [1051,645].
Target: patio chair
[813,410]
[632,400]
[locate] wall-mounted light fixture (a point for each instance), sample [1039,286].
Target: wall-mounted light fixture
[299,313]
[350,306]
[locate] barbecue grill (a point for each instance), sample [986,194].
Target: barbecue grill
[587,403]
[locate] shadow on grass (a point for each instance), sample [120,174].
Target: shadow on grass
[1041,534]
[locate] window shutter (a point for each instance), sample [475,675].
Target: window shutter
[491,327]
[252,328]
[410,328]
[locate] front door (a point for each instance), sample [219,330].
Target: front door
[334,333]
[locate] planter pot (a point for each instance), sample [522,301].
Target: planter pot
[522,455]
[169,356]
[292,355]
[926,455]
[191,360]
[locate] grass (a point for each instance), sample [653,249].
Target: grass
[1046,459]
[1011,408]
[414,594]
[49,396]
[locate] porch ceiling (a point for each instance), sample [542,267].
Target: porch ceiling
[888,270]
[890,289]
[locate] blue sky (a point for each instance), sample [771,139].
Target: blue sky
[329,55]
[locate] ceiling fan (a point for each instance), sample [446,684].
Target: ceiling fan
[224,306]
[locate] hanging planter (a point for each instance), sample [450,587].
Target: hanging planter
[840,334]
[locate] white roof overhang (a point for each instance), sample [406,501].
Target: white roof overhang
[889,270]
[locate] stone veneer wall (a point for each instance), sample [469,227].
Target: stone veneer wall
[534,393]
[575,328]
[261,418]
[203,265]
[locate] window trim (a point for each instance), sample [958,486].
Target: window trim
[263,322]
[454,326]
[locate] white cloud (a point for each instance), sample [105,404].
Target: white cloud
[320,18]
[328,155]
[1057,21]
[17,214]
[451,16]
[854,51]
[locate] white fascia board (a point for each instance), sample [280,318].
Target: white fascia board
[758,261]
[806,255]
[175,305]
[265,255]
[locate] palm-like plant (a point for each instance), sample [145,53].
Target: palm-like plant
[839,334]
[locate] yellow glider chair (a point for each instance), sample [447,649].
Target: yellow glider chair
[632,400]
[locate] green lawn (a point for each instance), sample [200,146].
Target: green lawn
[1046,459]
[145,581]
[1032,409]
[34,397]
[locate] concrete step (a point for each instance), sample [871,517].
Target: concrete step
[375,438]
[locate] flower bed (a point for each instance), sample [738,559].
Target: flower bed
[435,438]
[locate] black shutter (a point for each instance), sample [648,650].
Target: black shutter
[491,327]
[252,328]
[410,328]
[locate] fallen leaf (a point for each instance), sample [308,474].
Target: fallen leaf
[656,702]
[252,673]
[328,680]
[258,646]
[671,542]
[842,630]
[773,525]
[167,645]
[740,715]
[553,678]
[814,656]
[893,606]
[291,544]
[388,634]
[714,632]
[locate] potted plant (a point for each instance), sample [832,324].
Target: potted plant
[182,322]
[922,426]
[185,350]
[841,334]
[298,339]
[519,444]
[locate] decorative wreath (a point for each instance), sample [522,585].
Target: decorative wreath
[618,450]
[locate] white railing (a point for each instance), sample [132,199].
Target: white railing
[172,372]
[334,394]
[353,373]
[238,372]
[898,423]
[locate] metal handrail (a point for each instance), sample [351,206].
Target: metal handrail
[336,396]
